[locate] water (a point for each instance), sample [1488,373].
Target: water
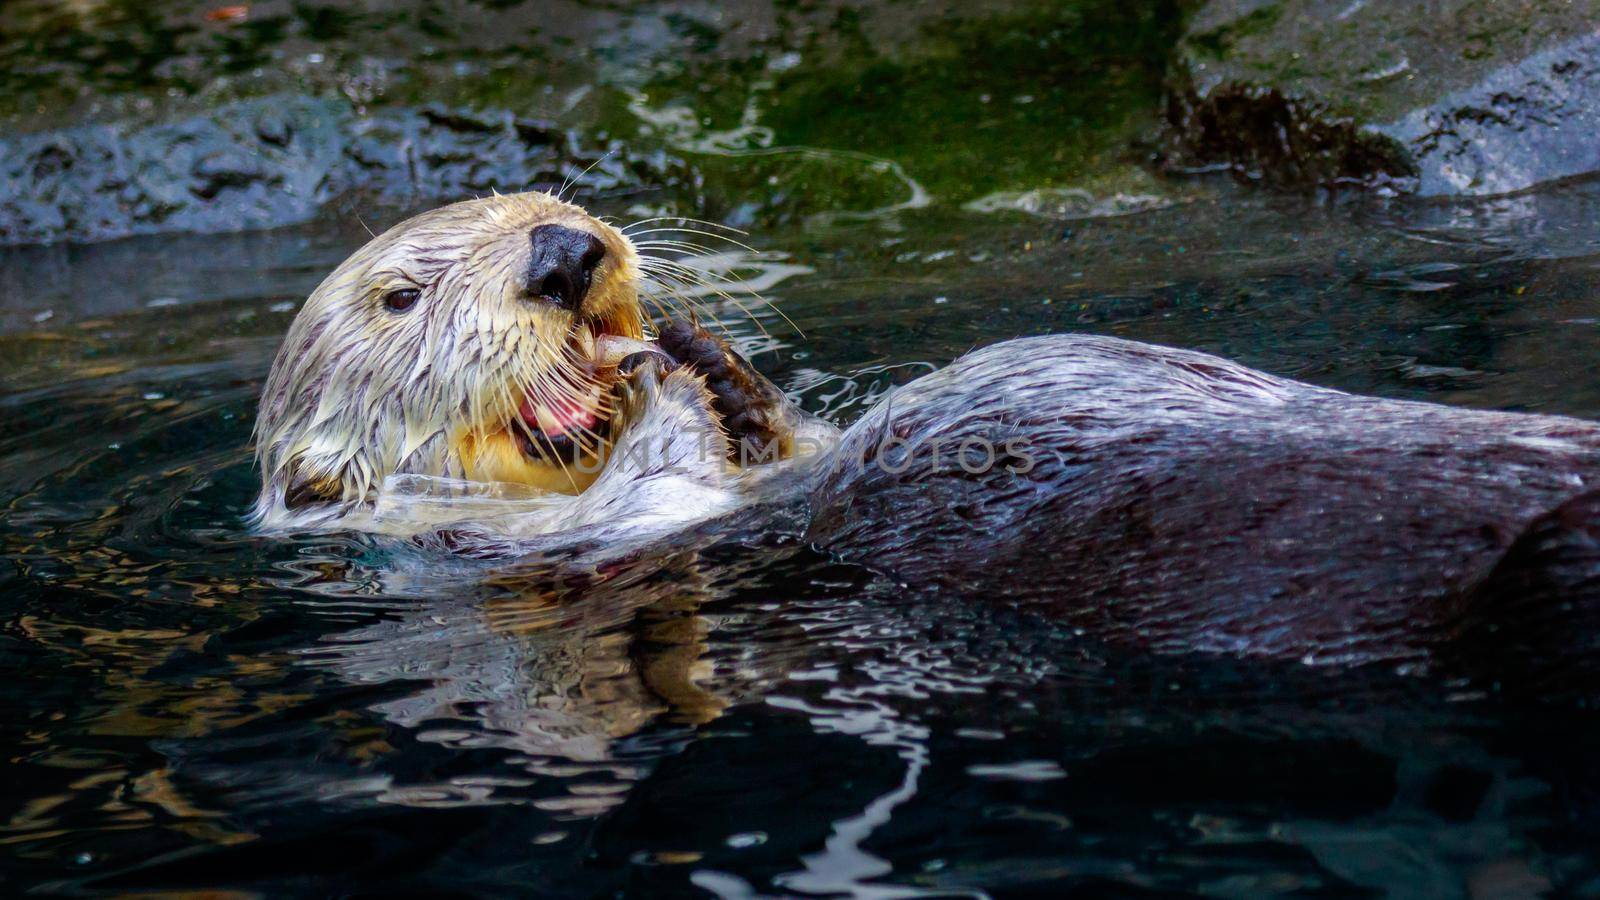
[185,706]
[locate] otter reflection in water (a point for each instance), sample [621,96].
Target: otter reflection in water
[1156,498]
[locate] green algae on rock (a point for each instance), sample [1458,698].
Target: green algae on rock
[127,119]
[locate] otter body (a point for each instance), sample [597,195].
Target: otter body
[1179,502]
[445,385]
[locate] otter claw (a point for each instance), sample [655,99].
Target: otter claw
[754,413]
[634,360]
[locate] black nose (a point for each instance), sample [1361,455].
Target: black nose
[563,261]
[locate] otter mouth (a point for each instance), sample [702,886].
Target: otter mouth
[567,414]
[561,433]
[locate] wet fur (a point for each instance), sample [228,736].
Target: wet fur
[1179,502]
[667,469]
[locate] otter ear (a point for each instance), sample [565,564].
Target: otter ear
[305,487]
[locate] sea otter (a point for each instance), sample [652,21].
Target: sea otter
[478,379]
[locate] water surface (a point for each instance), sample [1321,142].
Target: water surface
[187,706]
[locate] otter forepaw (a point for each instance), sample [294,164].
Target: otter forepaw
[757,417]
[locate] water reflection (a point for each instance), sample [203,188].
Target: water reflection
[555,665]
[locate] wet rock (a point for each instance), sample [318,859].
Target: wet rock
[207,174]
[1521,125]
[276,161]
[281,160]
[753,112]
[1460,97]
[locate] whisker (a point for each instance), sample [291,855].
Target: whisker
[651,298]
[716,237]
[702,277]
[714,287]
[669,280]
[539,392]
[674,281]
[728,228]
[572,181]
[681,246]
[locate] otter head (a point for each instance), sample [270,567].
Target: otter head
[459,344]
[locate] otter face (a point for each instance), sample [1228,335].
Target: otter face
[459,343]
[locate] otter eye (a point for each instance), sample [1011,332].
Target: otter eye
[401,299]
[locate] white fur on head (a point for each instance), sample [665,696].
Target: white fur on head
[359,392]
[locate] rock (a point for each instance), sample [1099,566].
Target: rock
[209,173]
[1432,97]
[1261,134]
[278,160]
[120,119]
[1531,122]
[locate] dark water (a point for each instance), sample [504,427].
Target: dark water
[187,707]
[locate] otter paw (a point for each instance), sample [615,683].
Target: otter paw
[754,413]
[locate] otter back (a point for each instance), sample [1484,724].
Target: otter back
[1175,501]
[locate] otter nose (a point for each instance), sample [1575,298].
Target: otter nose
[564,259]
